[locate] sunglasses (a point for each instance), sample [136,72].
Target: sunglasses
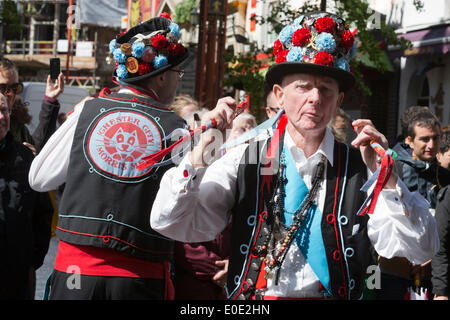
[15,88]
[180,72]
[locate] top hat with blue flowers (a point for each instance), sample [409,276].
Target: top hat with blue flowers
[147,49]
[318,43]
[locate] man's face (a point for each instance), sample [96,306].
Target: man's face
[309,101]
[240,126]
[9,76]
[4,117]
[425,144]
[272,107]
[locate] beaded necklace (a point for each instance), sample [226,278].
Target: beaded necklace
[280,239]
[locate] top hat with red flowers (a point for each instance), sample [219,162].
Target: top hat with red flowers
[147,49]
[318,43]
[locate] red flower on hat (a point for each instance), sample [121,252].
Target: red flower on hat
[347,39]
[277,47]
[300,37]
[324,58]
[281,56]
[165,15]
[159,41]
[176,49]
[324,24]
[144,68]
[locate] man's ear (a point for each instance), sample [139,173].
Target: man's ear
[278,93]
[409,141]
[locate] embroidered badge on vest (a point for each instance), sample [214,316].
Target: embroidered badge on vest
[116,141]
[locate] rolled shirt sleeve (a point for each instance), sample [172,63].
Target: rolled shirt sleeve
[402,226]
[193,205]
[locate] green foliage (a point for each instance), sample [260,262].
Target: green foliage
[183,12]
[10,20]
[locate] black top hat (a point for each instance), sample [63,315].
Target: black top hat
[318,43]
[147,49]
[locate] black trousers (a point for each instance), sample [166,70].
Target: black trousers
[70,286]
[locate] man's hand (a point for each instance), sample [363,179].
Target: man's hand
[224,115]
[366,132]
[31,147]
[220,278]
[53,91]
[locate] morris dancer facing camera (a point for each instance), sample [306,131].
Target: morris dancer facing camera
[296,232]
[104,216]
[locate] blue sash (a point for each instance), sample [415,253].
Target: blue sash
[309,235]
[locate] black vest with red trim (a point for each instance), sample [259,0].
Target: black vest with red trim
[347,246]
[107,200]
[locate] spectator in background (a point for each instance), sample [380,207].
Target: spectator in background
[420,172]
[11,87]
[272,107]
[440,263]
[243,123]
[339,125]
[443,155]
[184,105]
[400,146]
[25,217]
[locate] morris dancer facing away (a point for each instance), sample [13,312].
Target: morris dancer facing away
[279,251]
[103,222]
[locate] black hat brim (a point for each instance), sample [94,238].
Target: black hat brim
[277,72]
[180,61]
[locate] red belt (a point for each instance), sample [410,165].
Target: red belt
[94,261]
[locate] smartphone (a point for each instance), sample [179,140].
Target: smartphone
[55,68]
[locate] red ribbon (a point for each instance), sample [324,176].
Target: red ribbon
[387,164]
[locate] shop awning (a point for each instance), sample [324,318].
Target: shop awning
[433,40]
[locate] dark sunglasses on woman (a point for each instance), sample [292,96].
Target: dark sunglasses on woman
[15,88]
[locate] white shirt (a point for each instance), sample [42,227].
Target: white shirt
[193,205]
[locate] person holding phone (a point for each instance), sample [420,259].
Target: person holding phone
[11,87]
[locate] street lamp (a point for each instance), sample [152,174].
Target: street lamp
[194,19]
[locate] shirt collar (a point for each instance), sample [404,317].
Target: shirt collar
[326,147]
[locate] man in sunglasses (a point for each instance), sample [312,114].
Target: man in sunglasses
[10,87]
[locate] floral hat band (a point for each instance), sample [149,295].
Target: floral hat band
[148,49]
[319,38]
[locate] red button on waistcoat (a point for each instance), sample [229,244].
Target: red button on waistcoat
[185,173]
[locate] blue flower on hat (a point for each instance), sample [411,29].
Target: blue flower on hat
[298,21]
[138,49]
[285,35]
[112,45]
[119,55]
[160,61]
[342,64]
[295,54]
[121,71]
[175,30]
[325,42]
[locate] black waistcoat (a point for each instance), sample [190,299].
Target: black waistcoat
[106,200]
[348,252]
